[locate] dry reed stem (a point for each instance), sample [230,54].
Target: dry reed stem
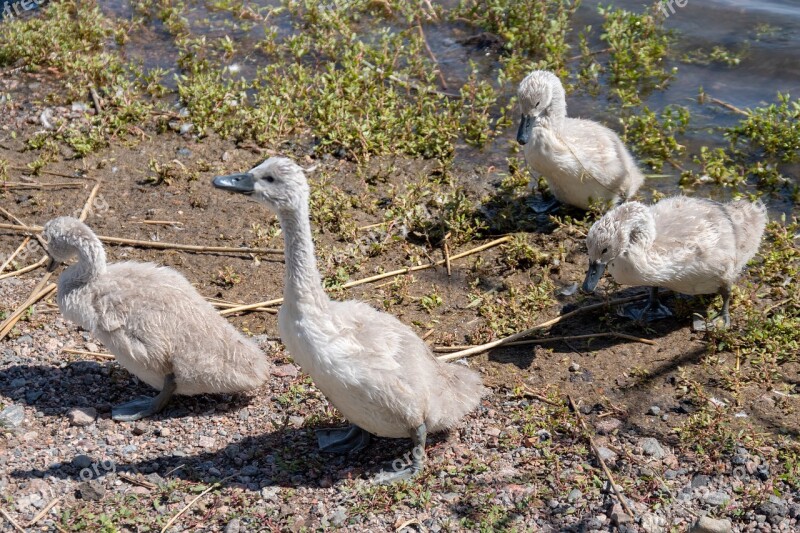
[15,253]
[158,245]
[189,505]
[447,349]
[40,186]
[87,206]
[399,272]
[606,471]
[475,350]
[104,356]
[40,263]
[11,520]
[41,514]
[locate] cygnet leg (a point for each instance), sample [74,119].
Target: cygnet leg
[342,440]
[722,320]
[143,407]
[652,310]
[414,466]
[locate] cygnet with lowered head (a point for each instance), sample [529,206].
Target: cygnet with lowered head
[153,320]
[373,368]
[582,161]
[689,245]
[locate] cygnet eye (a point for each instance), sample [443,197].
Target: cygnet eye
[537,105]
[605,251]
[269,179]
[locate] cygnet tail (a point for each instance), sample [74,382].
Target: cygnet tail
[461,392]
[749,220]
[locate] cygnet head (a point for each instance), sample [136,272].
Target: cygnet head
[65,237]
[278,182]
[537,93]
[613,235]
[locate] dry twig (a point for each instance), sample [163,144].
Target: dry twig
[189,505]
[99,355]
[15,253]
[41,262]
[278,301]
[154,244]
[52,186]
[475,350]
[41,514]
[606,471]
[11,520]
[448,349]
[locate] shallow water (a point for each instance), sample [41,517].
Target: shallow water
[767,31]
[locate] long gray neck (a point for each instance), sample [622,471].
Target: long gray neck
[91,264]
[303,284]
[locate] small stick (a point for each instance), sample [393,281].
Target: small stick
[447,349]
[11,520]
[522,334]
[600,460]
[23,185]
[726,105]
[13,218]
[44,511]
[93,354]
[226,305]
[278,301]
[589,54]
[447,254]
[162,222]
[431,54]
[14,254]
[411,84]
[51,173]
[96,100]
[136,481]
[188,505]
[87,206]
[370,226]
[528,393]
[37,294]
[154,244]
[40,263]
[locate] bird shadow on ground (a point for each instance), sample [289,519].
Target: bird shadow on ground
[54,390]
[286,456]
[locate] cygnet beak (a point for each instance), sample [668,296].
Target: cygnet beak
[593,275]
[241,183]
[526,124]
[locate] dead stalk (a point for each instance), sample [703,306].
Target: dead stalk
[15,253]
[279,301]
[189,505]
[606,471]
[475,350]
[448,349]
[92,354]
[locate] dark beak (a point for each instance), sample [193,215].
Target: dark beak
[242,183]
[52,265]
[593,275]
[525,127]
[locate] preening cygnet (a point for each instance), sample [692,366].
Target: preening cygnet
[689,245]
[153,320]
[373,368]
[582,161]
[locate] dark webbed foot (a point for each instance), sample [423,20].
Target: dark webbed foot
[144,407]
[342,440]
[540,206]
[413,467]
[651,311]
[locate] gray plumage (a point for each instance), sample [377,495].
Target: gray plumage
[689,245]
[377,372]
[151,318]
[582,161]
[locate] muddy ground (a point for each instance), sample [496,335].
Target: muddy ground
[515,463]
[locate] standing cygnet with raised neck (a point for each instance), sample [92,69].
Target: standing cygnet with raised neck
[582,161]
[689,245]
[373,368]
[153,320]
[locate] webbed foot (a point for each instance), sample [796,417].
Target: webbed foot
[144,407]
[651,311]
[541,206]
[407,467]
[716,323]
[342,440]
